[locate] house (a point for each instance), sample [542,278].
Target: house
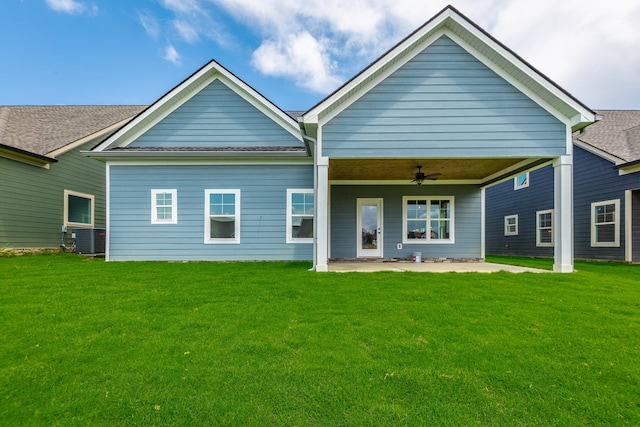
[606,198]
[214,171]
[45,183]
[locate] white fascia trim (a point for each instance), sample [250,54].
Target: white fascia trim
[96,135]
[210,162]
[513,169]
[603,154]
[629,170]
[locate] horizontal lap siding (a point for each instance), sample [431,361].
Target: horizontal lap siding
[216,117]
[443,102]
[32,206]
[502,200]
[262,212]
[344,236]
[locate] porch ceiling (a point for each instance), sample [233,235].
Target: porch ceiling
[404,169]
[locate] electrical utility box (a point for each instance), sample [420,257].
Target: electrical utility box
[90,241]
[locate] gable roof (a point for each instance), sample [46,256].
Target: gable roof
[481,45]
[116,145]
[44,132]
[616,136]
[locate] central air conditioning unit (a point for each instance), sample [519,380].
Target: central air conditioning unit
[90,241]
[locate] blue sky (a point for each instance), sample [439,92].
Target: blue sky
[295,52]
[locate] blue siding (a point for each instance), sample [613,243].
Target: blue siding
[502,200]
[263,212]
[344,220]
[216,117]
[443,102]
[595,180]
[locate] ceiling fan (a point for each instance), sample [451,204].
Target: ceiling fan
[420,176]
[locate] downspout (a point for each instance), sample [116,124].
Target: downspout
[307,139]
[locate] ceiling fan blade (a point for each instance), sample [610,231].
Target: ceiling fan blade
[432,176]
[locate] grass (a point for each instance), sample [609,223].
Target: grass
[134,344]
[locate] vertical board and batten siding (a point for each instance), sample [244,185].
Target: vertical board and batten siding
[502,200]
[467,220]
[32,198]
[443,103]
[594,180]
[263,191]
[216,117]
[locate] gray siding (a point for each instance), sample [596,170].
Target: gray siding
[466,216]
[32,207]
[263,212]
[216,117]
[595,180]
[443,102]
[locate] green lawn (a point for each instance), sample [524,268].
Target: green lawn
[86,342]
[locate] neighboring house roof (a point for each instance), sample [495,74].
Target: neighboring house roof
[44,132]
[616,135]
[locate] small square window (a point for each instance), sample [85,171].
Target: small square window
[78,209]
[511,225]
[164,206]
[521,181]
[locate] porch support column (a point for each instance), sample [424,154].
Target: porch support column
[563,215]
[322,214]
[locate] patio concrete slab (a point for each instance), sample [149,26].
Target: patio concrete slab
[430,267]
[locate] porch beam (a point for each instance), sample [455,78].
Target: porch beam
[563,214]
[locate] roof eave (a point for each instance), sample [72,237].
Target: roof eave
[24,156]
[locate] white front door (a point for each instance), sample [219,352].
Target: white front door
[369,228]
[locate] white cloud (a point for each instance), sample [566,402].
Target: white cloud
[150,24]
[72,7]
[300,57]
[171,55]
[589,47]
[187,31]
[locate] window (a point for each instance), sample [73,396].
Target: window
[300,215]
[521,181]
[78,209]
[605,223]
[427,220]
[511,225]
[164,206]
[544,228]
[222,216]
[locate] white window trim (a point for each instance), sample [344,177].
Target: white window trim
[520,187]
[506,225]
[428,240]
[207,222]
[616,242]
[290,193]
[538,213]
[174,207]
[91,197]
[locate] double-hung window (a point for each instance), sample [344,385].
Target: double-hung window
[511,225]
[544,228]
[164,206]
[427,219]
[222,216]
[300,204]
[605,223]
[78,209]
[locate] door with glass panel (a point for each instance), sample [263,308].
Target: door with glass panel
[369,228]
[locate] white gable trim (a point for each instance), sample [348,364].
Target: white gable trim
[600,153]
[446,23]
[184,92]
